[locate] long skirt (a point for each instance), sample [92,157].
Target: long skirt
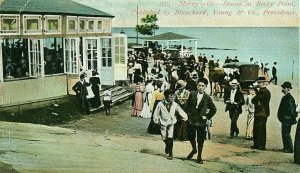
[297,145]
[137,105]
[146,113]
[249,126]
[152,127]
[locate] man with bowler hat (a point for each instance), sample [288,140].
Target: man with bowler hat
[287,116]
[262,111]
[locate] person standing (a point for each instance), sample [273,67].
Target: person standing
[250,108]
[262,111]
[80,88]
[234,101]
[287,116]
[164,115]
[107,101]
[181,96]
[201,108]
[274,74]
[137,101]
[297,140]
[95,82]
[149,89]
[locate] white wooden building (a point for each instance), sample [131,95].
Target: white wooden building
[46,44]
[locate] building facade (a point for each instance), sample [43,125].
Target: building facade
[46,44]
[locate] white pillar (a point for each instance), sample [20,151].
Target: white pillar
[1,62]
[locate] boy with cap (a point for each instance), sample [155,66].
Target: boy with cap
[287,116]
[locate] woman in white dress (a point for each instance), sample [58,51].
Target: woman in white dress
[146,112]
[250,112]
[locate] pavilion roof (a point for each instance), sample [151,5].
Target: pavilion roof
[168,37]
[57,7]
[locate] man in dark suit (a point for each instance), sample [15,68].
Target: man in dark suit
[262,111]
[81,92]
[234,101]
[201,108]
[274,74]
[287,116]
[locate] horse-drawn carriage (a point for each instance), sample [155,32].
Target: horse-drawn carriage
[245,73]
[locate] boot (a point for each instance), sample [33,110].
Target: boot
[199,157]
[194,151]
[170,148]
[166,148]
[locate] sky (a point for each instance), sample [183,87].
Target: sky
[202,13]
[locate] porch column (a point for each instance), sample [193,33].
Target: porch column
[1,62]
[182,49]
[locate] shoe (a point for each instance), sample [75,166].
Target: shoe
[200,161]
[262,148]
[170,157]
[287,151]
[254,147]
[190,156]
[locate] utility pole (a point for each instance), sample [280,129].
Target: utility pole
[137,23]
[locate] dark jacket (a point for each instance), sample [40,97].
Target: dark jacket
[261,102]
[287,110]
[238,98]
[195,115]
[80,89]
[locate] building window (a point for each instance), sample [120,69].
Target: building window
[91,53]
[72,24]
[32,24]
[107,25]
[9,24]
[106,52]
[91,24]
[71,53]
[15,58]
[82,22]
[99,22]
[120,50]
[53,56]
[52,24]
[35,58]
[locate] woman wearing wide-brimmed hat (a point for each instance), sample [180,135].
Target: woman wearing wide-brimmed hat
[181,96]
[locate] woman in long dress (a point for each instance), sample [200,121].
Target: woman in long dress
[137,101]
[250,112]
[95,82]
[146,112]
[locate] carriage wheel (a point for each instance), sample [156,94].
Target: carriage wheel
[217,92]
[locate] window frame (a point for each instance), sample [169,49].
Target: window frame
[10,16]
[85,24]
[46,24]
[89,19]
[32,32]
[38,61]
[75,18]
[69,58]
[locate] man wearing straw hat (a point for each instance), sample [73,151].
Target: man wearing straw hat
[234,102]
[262,111]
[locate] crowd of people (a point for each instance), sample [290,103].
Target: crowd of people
[178,107]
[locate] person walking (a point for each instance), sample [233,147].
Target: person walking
[201,108]
[234,101]
[164,115]
[80,88]
[149,89]
[262,111]
[287,116]
[274,74]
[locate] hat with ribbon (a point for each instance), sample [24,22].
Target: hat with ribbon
[287,85]
[233,82]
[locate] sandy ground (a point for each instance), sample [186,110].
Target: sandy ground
[119,143]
